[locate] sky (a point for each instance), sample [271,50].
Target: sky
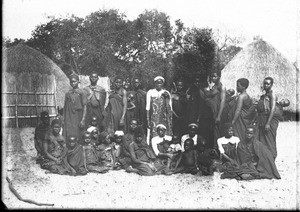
[274,20]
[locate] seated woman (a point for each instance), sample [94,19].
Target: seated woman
[160,145]
[105,151]
[144,161]
[255,160]
[228,146]
[91,160]
[187,161]
[39,135]
[55,151]
[75,156]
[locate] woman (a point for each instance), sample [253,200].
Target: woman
[268,118]
[179,105]
[116,108]
[55,151]
[214,96]
[242,112]
[144,161]
[75,109]
[159,108]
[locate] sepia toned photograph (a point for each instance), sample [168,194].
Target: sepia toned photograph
[148,105]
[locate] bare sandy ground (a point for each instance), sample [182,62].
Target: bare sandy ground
[121,190]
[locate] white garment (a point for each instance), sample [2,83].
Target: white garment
[155,93]
[184,137]
[234,140]
[157,140]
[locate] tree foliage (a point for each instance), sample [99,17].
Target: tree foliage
[106,42]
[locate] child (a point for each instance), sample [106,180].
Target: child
[279,107]
[95,141]
[91,160]
[131,110]
[106,151]
[39,135]
[118,140]
[75,156]
[207,158]
[93,124]
[187,159]
[227,145]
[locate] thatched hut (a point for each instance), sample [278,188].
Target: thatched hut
[31,83]
[257,61]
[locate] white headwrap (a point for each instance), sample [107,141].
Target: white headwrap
[193,125]
[91,129]
[119,133]
[161,126]
[159,78]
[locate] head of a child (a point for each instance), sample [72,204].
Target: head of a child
[230,92]
[188,144]
[202,144]
[161,130]
[250,132]
[228,130]
[86,138]
[138,134]
[193,128]
[45,119]
[130,97]
[71,142]
[284,102]
[118,136]
[175,139]
[94,121]
[132,125]
[56,126]
[95,134]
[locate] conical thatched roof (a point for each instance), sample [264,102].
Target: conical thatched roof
[257,61]
[22,58]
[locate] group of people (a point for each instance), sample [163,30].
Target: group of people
[199,129]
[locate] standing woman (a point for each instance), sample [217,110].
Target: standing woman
[242,112]
[159,108]
[116,108]
[267,119]
[75,109]
[214,95]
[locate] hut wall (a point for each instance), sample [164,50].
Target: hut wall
[26,95]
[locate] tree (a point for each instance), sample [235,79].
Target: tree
[199,55]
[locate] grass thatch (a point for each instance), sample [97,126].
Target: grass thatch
[21,58]
[257,61]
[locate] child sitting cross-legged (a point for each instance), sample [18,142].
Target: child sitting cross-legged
[118,139]
[91,159]
[106,151]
